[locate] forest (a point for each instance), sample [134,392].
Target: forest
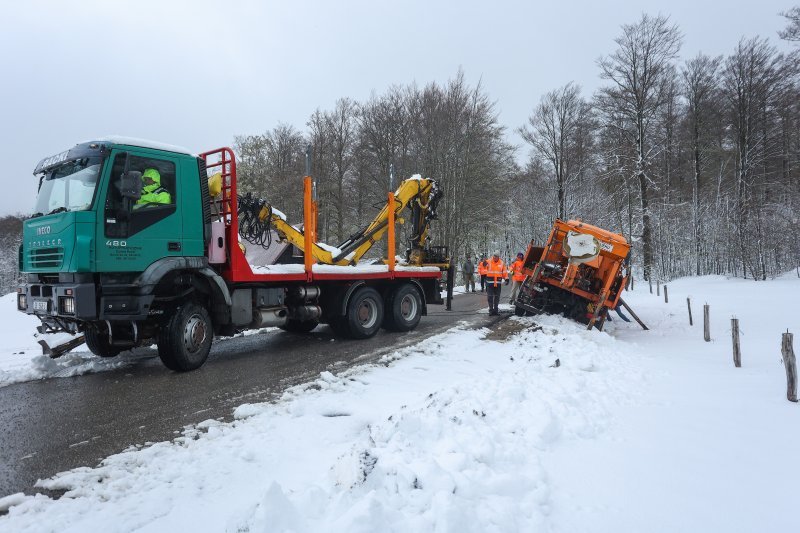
[696,160]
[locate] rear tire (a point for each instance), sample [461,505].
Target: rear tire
[299,326]
[403,309]
[98,344]
[184,342]
[364,313]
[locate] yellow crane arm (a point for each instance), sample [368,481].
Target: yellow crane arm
[411,191]
[415,193]
[297,238]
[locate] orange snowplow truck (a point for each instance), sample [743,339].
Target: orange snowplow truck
[580,273]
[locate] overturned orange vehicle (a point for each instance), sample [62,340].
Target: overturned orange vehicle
[580,272]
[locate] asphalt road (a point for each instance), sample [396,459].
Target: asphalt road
[57,424]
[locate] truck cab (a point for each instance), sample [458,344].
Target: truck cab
[87,248]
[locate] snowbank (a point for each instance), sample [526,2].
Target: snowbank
[449,434]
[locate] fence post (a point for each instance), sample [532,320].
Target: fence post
[737,351]
[658,288]
[666,298]
[787,351]
[651,285]
[689,305]
[706,325]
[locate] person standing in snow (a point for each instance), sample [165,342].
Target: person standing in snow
[517,277]
[482,266]
[469,275]
[496,274]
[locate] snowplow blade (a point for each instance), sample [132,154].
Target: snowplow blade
[57,351]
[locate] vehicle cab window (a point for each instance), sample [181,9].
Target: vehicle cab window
[156,199]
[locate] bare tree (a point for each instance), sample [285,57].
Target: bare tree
[701,90]
[637,71]
[555,132]
[272,166]
[792,30]
[752,79]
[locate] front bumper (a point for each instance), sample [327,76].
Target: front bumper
[68,301]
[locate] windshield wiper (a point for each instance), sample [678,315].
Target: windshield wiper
[57,210]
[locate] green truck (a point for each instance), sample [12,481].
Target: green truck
[100,262]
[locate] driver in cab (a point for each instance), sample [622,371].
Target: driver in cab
[153,194]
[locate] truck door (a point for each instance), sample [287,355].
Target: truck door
[136,232]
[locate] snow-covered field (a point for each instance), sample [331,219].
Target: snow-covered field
[539,426]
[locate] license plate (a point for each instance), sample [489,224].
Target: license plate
[40,305]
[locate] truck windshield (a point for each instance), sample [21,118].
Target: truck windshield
[69,187]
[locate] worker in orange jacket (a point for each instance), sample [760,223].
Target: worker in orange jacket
[482,266]
[496,274]
[517,277]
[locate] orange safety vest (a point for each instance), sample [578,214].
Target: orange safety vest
[482,267]
[516,270]
[496,272]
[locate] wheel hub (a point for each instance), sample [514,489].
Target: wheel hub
[194,334]
[367,313]
[408,307]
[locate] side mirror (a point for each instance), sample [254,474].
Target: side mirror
[130,184]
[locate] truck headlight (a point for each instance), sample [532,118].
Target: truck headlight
[22,302]
[66,304]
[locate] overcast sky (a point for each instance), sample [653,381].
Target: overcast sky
[196,73]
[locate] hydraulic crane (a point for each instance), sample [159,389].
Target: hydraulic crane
[420,195]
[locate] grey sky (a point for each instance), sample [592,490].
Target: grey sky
[196,73]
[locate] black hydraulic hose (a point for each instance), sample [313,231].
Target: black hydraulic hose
[251,227]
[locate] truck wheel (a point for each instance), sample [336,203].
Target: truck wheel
[184,342]
[364,313]
[299,326]
[403,308]
[98,343]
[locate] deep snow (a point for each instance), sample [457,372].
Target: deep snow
[476,431]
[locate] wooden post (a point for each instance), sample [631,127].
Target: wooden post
[651,285]
[737,351]
[658,288]
[787,351]
[689,305]
[706,325]
[666,298]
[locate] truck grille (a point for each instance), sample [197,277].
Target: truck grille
[46,257]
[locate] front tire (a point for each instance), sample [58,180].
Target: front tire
[98,344]
[185,341]
[403,308]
